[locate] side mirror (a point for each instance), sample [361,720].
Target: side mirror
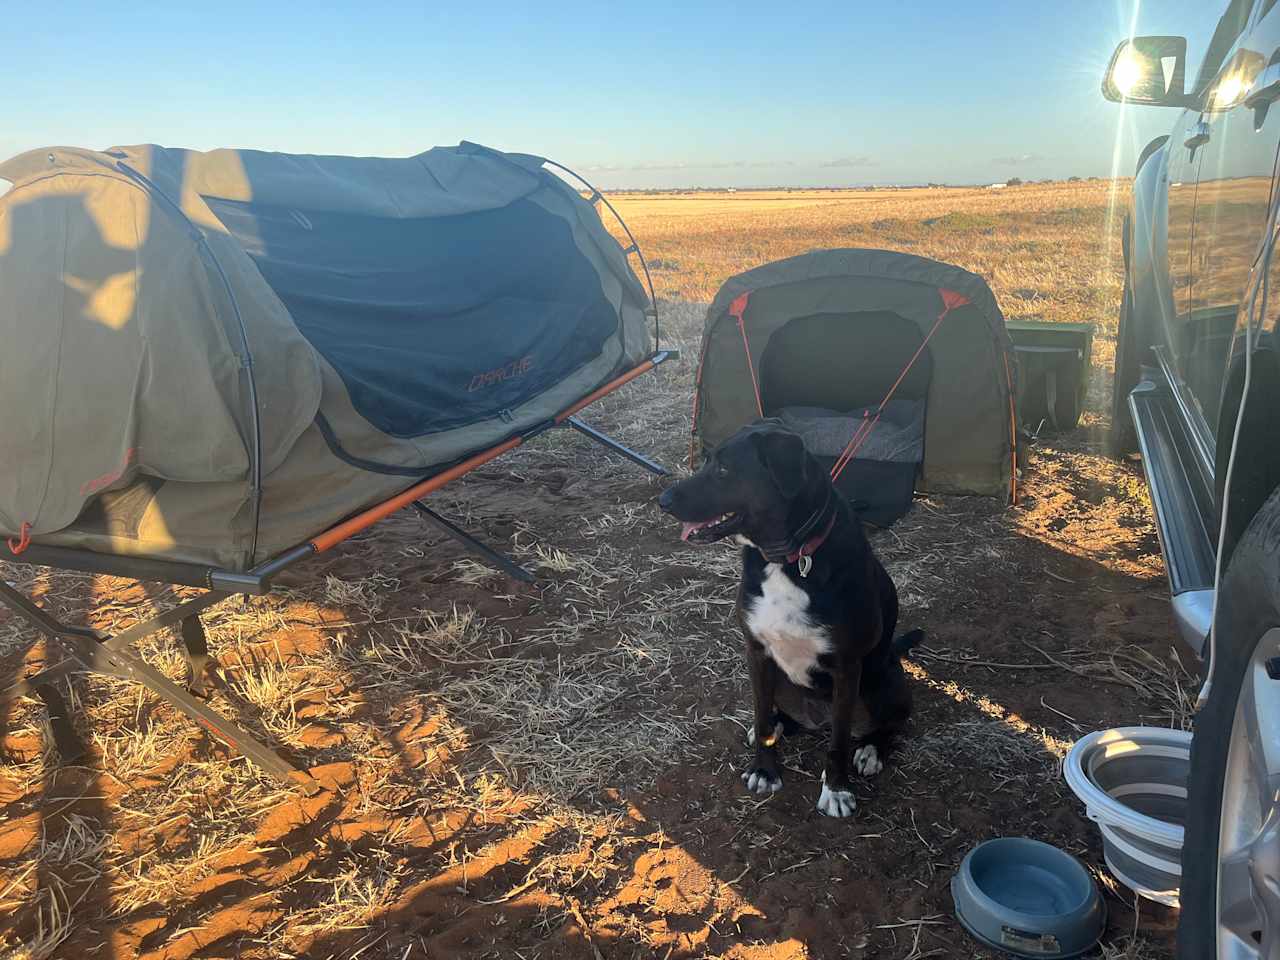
[1149,70]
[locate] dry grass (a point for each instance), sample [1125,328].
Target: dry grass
[1131,948]
[551,724]
[53,922]
[469,716]
[355,897]
[1165,685]
[1048,250]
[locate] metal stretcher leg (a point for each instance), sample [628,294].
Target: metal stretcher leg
[505,564]
[609,443]
[112,656]
[70,748]
[196,648]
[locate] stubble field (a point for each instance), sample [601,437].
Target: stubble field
[552,771]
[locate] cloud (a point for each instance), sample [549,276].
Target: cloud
[1017,160]
[857,160]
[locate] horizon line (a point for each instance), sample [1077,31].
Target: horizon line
[735,188]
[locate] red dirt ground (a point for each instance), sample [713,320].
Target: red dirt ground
[1044,621]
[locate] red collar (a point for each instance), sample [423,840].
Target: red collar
[810,547]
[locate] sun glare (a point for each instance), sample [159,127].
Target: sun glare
[1229,91]
[1123,133]
[1127,73]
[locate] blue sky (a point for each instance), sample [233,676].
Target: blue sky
[632,94]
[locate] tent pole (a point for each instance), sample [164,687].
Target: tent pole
[634,248]
[493,557]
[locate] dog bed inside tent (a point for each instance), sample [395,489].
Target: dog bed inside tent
[896,370]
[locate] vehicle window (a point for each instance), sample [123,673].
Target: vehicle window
[1266,8]
[1225,35]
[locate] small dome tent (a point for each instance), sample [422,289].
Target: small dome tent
[211,356]
[898,364]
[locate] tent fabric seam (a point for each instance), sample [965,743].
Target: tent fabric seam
[372,466]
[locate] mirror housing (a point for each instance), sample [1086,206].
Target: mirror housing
[1148,70]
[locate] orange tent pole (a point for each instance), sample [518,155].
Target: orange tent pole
[362,521]
[608,388]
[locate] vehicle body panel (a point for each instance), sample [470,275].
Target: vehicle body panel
[1200,211]
[1233,199]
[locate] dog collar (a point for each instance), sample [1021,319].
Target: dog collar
[803,557]
[800,546]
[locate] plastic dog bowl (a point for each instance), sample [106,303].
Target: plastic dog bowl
[1028,898]
[1133,781]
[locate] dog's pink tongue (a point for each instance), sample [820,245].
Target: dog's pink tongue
[688,529]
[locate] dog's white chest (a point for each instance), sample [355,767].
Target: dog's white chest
[779,619]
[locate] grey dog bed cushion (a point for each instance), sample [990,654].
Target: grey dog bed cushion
[897,437]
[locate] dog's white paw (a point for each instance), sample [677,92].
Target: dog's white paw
[761,781]
[866,760]
[751,734]
[836,803]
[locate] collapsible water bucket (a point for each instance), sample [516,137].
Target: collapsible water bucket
[1133,781]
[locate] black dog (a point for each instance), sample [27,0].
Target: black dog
[816,607]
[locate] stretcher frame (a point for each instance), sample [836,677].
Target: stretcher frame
[94,652]
[91,651]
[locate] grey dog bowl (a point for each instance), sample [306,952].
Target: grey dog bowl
[1028,898]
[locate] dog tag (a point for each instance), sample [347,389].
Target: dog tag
[805,563]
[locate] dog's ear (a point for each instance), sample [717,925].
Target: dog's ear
[784,456]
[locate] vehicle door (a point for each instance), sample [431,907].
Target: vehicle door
[1181,170]
[1241,130]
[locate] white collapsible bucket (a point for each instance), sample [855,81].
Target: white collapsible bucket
[1133,781]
